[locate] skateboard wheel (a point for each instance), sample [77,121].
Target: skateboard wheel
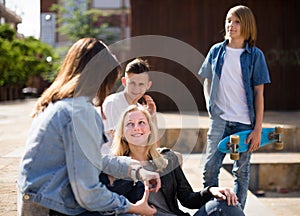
[278,145]
[234,156]
[234,139]
[279,129]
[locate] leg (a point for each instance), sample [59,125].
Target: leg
[241,168]
[219,208]
[214,158]
[241,174]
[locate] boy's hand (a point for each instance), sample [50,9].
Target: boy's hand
[151,104]
[148,102]
[254,140]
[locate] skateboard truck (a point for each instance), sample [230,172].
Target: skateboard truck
[233,146]
[277,135]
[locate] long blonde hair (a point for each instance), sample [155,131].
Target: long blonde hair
[74,65]
[248,23]
[120,146]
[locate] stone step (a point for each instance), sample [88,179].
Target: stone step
[187,133]
[277,172]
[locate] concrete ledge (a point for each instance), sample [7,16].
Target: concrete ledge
[272,171]
[187,132]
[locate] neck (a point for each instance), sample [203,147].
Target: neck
[128,99]
[236,43]
[138,153]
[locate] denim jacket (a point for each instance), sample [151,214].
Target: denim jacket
[254,72]
[62,161]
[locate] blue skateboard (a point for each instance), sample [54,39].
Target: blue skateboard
[236,143]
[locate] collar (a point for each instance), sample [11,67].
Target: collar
[247,48]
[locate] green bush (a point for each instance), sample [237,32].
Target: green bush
[24,57]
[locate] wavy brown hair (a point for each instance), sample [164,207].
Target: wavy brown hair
[76,67]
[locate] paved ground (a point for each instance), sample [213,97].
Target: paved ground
[14,124]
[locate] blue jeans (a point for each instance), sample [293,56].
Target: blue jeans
[219,208]
[219,129]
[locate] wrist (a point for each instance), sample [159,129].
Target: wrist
[134,172]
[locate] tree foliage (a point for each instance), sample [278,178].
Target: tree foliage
[24,57]
[76,21]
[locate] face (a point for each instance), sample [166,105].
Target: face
[233,27]
[136,128]
[136,84]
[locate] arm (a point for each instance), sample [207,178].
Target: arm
[255,136]
[175,185]
[191,199]
[84,164]
[206,91]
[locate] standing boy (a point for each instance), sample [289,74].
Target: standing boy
[235,72]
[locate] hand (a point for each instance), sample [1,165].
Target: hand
[150,179]
[142,207]
[151,104]
[224,194]
[137,98]
[254,140]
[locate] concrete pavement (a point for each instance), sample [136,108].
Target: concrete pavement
[15,121]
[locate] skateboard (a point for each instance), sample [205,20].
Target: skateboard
[236,143]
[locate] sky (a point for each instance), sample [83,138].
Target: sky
[29,10]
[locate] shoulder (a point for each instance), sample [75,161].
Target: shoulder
[114,99]
[219,44]
[168,154]
[216,48]
[257,51]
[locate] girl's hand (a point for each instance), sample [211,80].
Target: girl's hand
[150,179]
[224,194]
[254,140]
[142,207]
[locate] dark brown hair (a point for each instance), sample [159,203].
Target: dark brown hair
[137,66]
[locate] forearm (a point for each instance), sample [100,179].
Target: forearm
[206,91]
[259,106]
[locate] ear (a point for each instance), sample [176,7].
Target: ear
[149,84]
[123,80]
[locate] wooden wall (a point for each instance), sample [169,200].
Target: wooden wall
[200,23]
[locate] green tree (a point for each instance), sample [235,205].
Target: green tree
[24,57]
[6,32]
[76,21]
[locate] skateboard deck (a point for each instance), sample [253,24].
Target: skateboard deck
[236,143]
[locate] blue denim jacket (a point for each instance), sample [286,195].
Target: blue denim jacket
[254,72]
[62,161]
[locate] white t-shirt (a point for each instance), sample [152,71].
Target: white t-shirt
[113,106]
[231,95]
